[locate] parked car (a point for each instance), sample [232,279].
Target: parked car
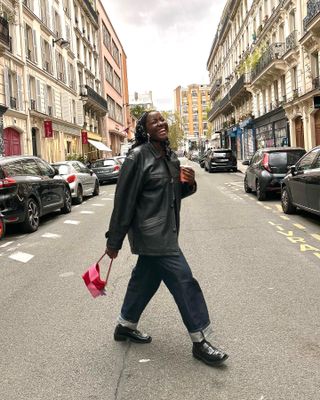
[30,188]
[120,159]
[106,169]
[220,160]
[268,167]
[82,180]
[2,226]
[301,186]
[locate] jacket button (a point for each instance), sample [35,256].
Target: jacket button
[171,205]
[174,230]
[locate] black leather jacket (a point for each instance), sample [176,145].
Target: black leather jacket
[147,203]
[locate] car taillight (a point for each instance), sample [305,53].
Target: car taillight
[7,182]
[265,162]
[71,178]
[116,168]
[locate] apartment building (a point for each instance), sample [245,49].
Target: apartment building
[114,82]
[143,99]
[192,104]
[264,70]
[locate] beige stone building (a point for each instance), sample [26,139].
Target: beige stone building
[192,104]
[264,69]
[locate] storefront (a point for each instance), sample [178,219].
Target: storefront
[248,139]
[272,129]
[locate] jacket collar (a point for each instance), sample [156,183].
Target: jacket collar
[157,153]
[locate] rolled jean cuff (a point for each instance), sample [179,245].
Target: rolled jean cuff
[126,323]
[199,336]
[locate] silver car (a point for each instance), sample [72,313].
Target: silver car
[82,180]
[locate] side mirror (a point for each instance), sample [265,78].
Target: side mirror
[246,162]
[292,169]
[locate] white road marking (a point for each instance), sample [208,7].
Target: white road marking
[71,222]
[144,360]
[300,227]
[66,274]
[267,207]
[76,206]
[97,205]
[86,212]
[5,245]
[51,235]
[279,207]
[106,199]
[285,218]
[22,257]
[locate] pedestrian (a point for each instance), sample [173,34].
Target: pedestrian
[147,207]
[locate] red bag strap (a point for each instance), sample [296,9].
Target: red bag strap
[110,265]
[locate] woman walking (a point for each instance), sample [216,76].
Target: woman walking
[147,208]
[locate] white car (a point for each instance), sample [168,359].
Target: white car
[82,180]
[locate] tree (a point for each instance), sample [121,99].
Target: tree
[137,111]
[175,131]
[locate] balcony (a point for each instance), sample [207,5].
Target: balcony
[269,65]
[291,41]
[213,111]
[4,35]
[239,88]
[215,88]
[91,11]
[94,100]
[312,20]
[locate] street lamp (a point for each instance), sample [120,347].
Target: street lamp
[62,42]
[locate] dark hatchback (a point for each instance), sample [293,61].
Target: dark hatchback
[30,188]
[301,187]
[268,167]
[106,169]
[220,160]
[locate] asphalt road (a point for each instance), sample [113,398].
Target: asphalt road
[259,270]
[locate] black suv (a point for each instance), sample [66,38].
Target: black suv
[268,167]
[220,160]
[301,187]
[30,188]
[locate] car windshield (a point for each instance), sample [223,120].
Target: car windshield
[63,169]
[285,158]
[222,154]
[108,163]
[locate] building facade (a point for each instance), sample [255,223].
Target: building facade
[143,99]
[192,104]
[263,68]
[114,82]
[53,98]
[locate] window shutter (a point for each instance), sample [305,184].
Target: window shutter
[38,93]
[43,53]
[79,111]
[53,102]
[53,21]
[50,59]
[7,86]
[19,94]
[45,98]
[35,55]
[65,107]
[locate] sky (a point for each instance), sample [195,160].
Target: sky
[167,42]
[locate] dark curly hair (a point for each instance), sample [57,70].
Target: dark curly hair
[141,134]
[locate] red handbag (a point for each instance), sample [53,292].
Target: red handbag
[92,280]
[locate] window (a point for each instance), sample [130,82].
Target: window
[117,83]
[111,107]
[119,115]
[30,167]
[294,78]
[71,76]
[57,24]
[44,16]
[31,44]
[307,160]
[106,37]
[60,67]
[46,55]
[32,92]
[108,71]
[315,64]
[115,53]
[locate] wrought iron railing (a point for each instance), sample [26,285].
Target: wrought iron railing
[91,10]
[32,104]
[4,31]
[291,41]
[225,100]
[214,109]
[313,8]
[93,95]
[215,86]
[273,53]
[245,78]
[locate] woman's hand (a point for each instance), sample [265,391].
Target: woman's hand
[112,253]
[188,175]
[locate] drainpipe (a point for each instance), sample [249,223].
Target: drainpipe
[3,109]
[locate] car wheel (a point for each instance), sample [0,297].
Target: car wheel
[96,190]
[286,203]
[66,209]
[79,198]
[32,220]
[247,189]
[235,169]
[261,194]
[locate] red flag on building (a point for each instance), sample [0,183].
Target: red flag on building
[48,131]
[84,136]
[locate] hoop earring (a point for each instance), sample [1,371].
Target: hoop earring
[148,136]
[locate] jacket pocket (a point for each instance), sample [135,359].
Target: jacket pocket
[152,222]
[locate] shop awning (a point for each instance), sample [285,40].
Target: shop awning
[99,145]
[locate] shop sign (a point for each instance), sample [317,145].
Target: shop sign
[84,136]
[48,131]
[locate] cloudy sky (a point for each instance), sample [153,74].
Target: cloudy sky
[167,42]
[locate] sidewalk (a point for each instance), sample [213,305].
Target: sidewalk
[241,168]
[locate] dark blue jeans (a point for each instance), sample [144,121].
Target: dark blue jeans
[175,272]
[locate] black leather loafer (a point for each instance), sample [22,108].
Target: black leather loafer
[123,333]
[208,354]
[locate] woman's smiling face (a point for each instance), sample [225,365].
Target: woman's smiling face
[157,127]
